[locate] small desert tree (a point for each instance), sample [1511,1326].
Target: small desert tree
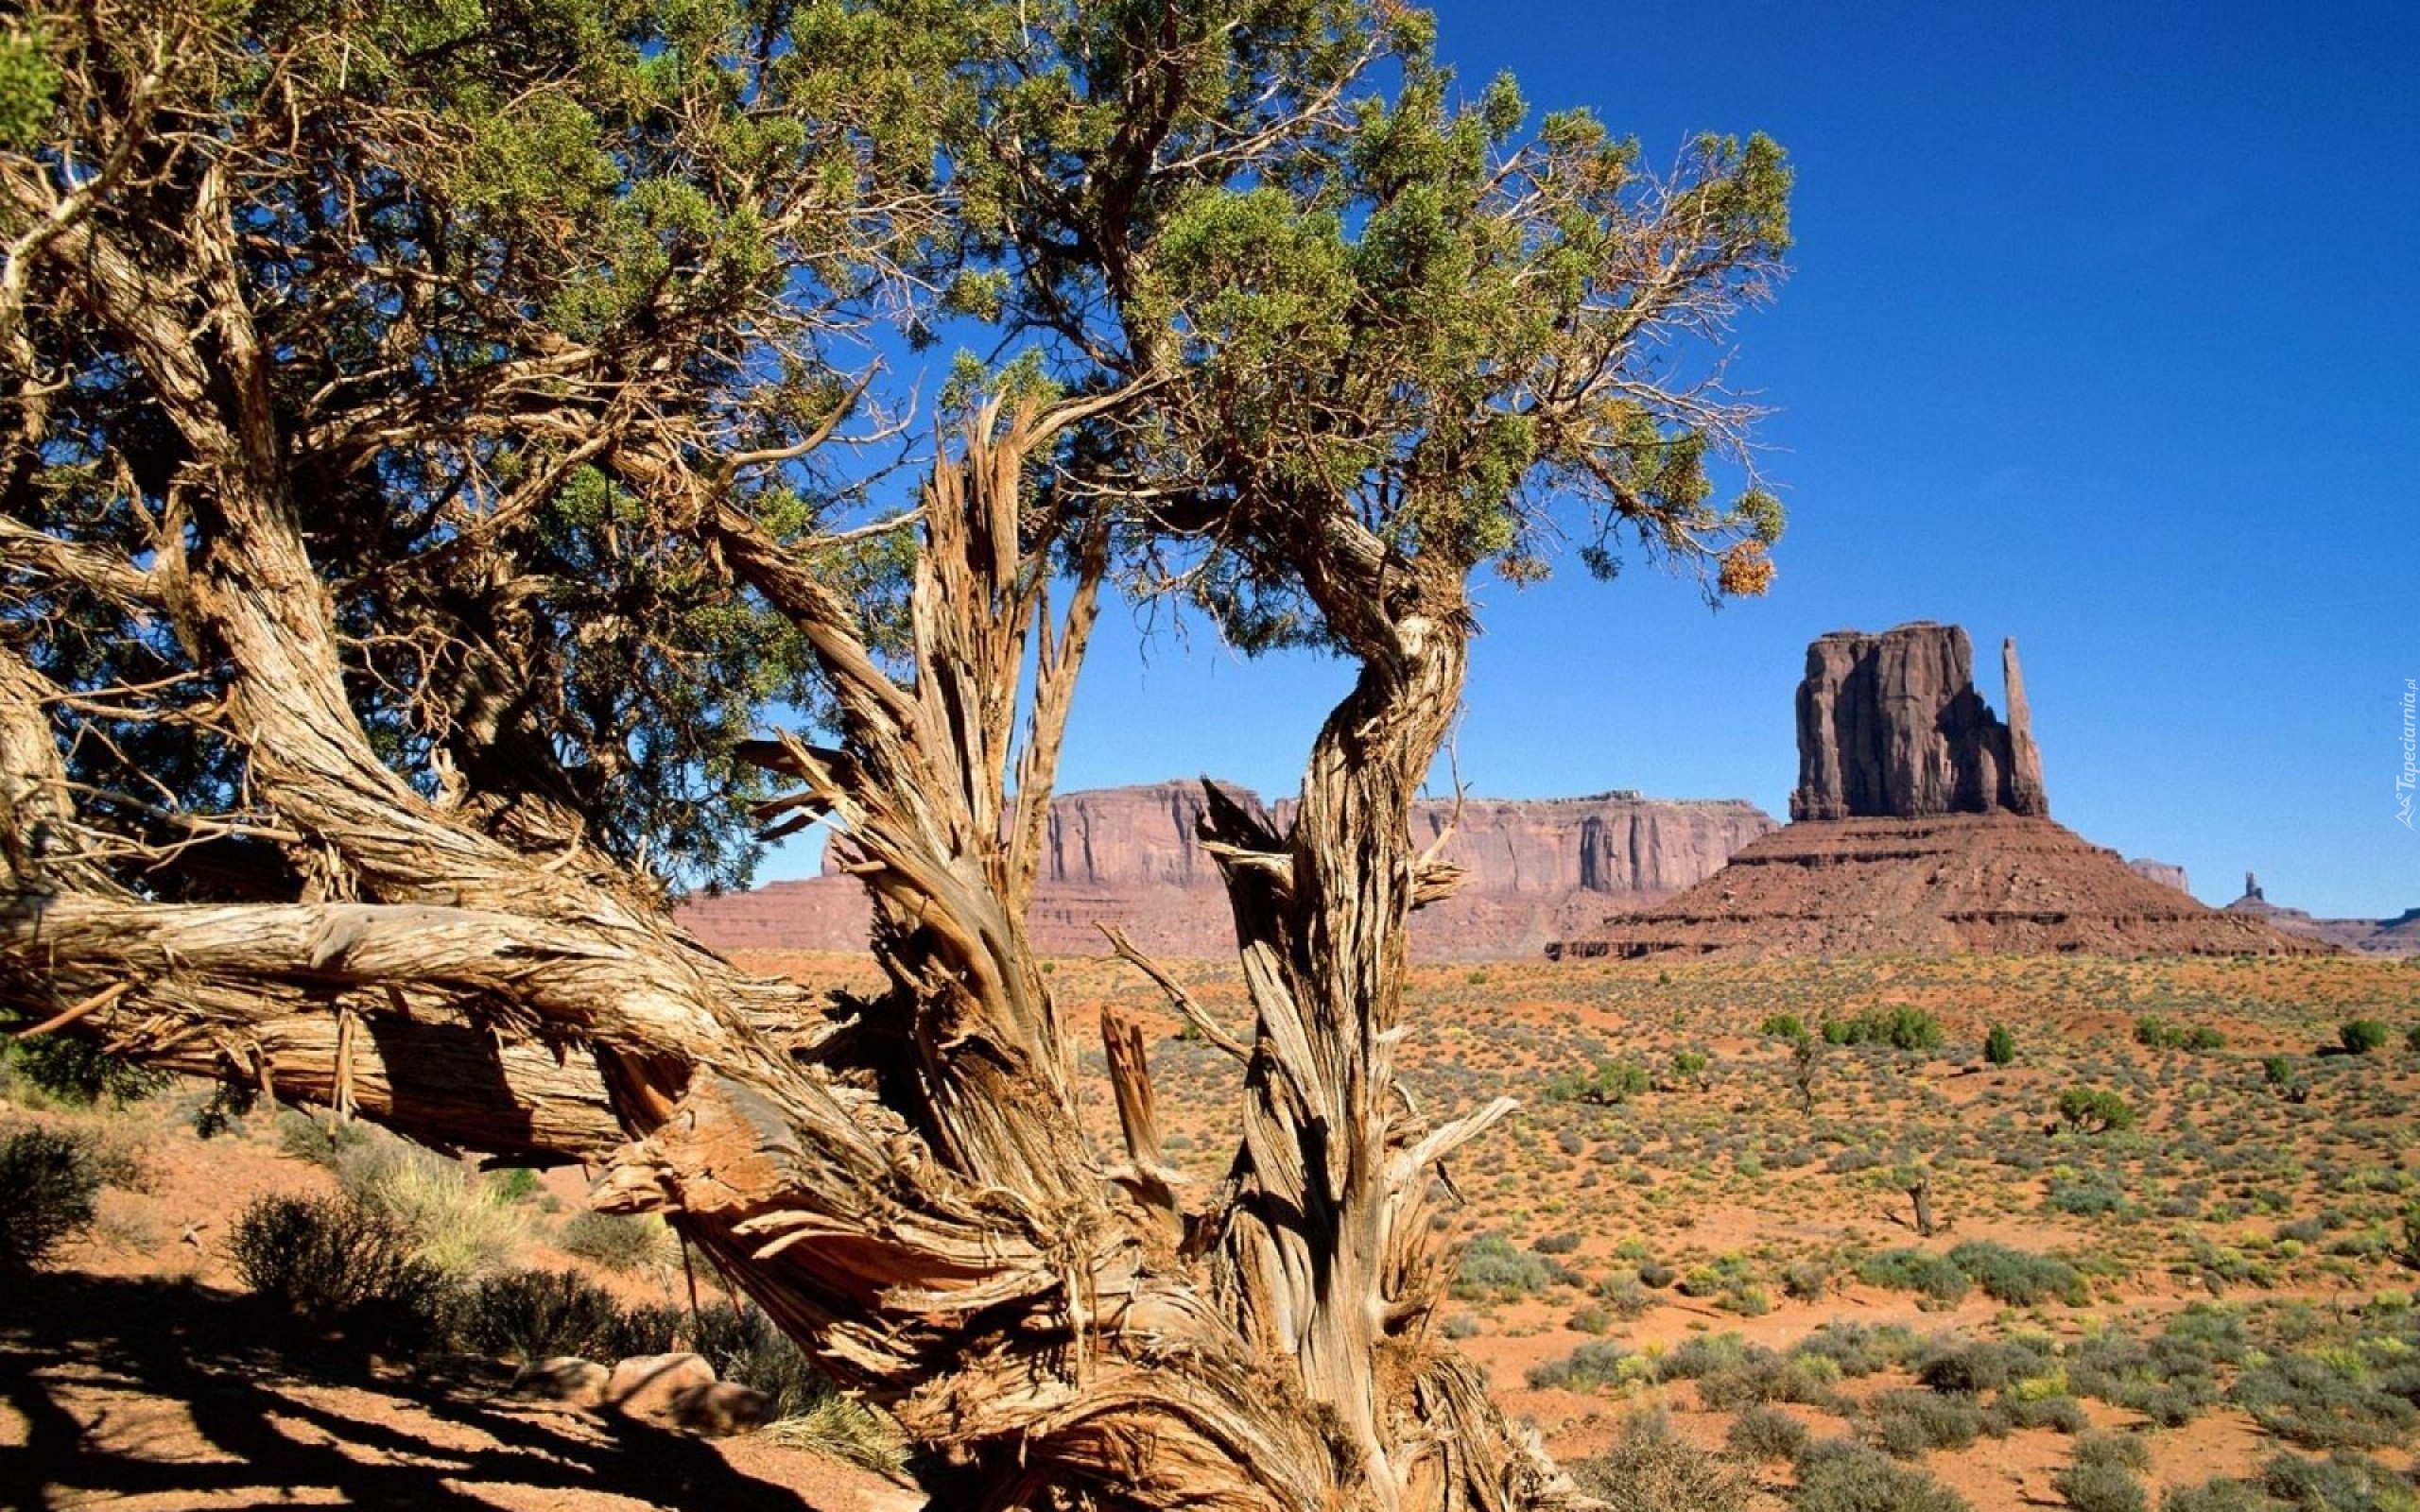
[429,470]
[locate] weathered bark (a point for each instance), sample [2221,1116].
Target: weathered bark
[901,1182]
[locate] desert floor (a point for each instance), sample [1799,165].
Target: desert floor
[2221,1289]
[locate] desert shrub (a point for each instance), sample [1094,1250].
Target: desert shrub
[2411,1039]
[1805,1280]
[2059,1412]
[1999,1046]
[1902,1027]
[49,1185]
[2017,1278]
[2219,1495]
[516,1183]
[1935,1277]
[2340,1483]
[2169,1381]
[1789,1027]
[1970,1369]
[1599,1362]
[1622,1293]
[535,1315]
[1840,1475]
[2360,1036]
[456,1222]
[1762,1433]
[1855,1350]
[1654,1273]
[743,1344]
[1652,1467]
[2095,1110]
[2321,1403]
[1494,1268]
[2277,1071]
[1612,1081]
[1732,1373]
[2161,1034]
[615,1242]
[1910,1424]
[651,1328]
[2083,1196]
[306,1138]
[2100,1487]
[341,1267]
[1729,1282]
[1561,1243]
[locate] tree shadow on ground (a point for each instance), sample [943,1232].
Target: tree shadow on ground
[176,1395]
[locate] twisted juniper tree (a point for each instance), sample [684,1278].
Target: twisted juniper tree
[446,443]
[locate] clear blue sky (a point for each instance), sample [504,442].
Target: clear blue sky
[2104,332]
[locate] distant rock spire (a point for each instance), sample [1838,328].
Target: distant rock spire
[2025,793]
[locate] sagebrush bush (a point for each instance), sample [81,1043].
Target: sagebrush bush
[1935,1277]
[50,1184]
[1910,1424]
[744,1345]
[1762,1433]
[1840,1475]
[537,1314]
[1594,1365]
[2340,1482]
[617,1242]
[2100,1487]
[2322,1403]
[1494,1268]
[1652,1467]
[2020,1279]
[341,1267]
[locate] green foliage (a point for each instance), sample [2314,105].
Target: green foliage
[2095,1110]
[2161,1034]
[49,1182]
[1596,1364]
[1493,1268]
[1999,1046]
[1910,1424]
[2020,1279]
[1783,1026]
[1611,1082]
[456,1221]
[28,86]
[1901,1026]
[63,1071]
[2360,1037]
[1935,1277]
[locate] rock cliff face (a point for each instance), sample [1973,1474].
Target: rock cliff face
[1890,726]
[2165,873]
[1537,870]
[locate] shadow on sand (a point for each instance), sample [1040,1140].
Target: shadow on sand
[173,1396]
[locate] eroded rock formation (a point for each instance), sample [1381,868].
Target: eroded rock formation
[1920,826]
[1537,869]
[2399,935]
[1891,726]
